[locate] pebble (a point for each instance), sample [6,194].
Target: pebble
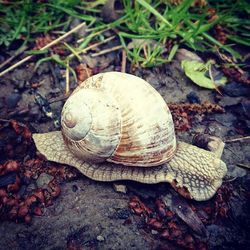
[43,69]
[193,97]
[2,144]
[236,89]
[55,91]
[1,104]
[74,188]
[226,119]
[43,180]
[246,107]
[58,209]
[12,100]
[34,113]
[229,101]
[120,188]
[21,235]
[183,54]
[31,187]
[22,190]
[154,232]
[123,214]
[100,238]
[21,84]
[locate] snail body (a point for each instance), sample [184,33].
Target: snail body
[116,126]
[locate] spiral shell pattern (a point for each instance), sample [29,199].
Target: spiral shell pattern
[119,118]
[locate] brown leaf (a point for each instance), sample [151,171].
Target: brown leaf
[83,72]
[108,11]
[179,205]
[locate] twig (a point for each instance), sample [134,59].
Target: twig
[124,61]
[52,70]
[212,78]
[86,70]
[243,165]
[92,35]
[17,53]
[43,48]
[15,65]
[4,120]
[95,45]
[105,51]
[67,79]
[238,139]
[58,99]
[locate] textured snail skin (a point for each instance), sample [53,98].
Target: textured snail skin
[197,170]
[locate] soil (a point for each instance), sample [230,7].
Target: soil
[92,215]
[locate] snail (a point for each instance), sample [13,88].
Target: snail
[116,126]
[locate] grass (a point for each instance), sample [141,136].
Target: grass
[26,19]
[144,28]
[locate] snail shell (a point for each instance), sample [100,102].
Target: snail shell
[119,118]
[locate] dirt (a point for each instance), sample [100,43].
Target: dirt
[92,215]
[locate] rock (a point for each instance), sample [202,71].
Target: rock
[34,113]
[193,97]
[108,12]
[80,32]
[100,238]
[122,214]
[22,75]
[246,108]
[220,235]
[31,187]
[183,54]
[154,232]
[1,104]
[236,89]
[153,81]
[8,178]
[43,180]
[55,92]
[21,85]
[226,101]
[226,119]
[120,188]
[74,188]
[43,68]
[21,235]
[12,100]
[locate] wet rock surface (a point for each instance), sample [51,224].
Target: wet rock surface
[85,214]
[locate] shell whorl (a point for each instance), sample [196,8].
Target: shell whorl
[91,124]
[121,118]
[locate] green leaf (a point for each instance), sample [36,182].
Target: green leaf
[37,52]
[197,71]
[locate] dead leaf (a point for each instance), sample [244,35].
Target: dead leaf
[179,206]
[108,11]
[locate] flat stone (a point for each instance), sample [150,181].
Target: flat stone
[120,188]
[123,213]
[43,180]
[12,100]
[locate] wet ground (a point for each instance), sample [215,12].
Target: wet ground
[93,215]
